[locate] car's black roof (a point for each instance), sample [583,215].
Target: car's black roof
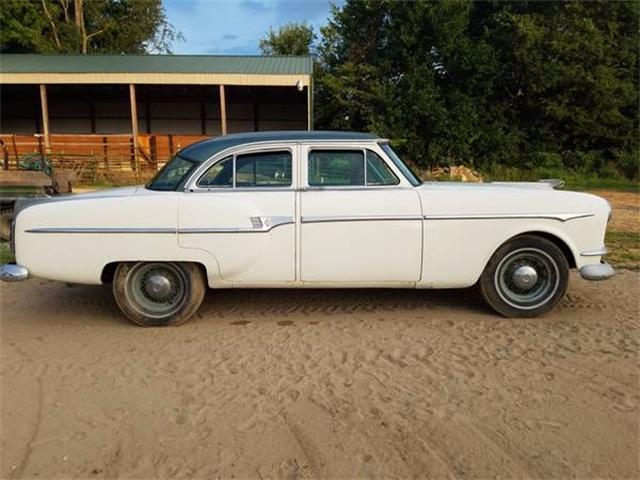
[205,149]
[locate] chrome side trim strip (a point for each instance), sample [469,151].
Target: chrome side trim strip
[562,217]
[595,253]
[258,225]
[359,218]
[107,230]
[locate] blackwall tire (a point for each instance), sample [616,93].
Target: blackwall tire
[155,294]
[525,277]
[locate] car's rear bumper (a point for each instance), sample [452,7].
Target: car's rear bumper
[601,271]
[10,272]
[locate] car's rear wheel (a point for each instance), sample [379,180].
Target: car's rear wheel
[525,277]
[158,293]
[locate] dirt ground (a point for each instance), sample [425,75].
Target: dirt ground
[330,383]
[626,209]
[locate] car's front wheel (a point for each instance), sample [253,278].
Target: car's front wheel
[158,293]
[525,277]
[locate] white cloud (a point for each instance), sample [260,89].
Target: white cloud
[235,27]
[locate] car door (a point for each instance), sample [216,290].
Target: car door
[242,211]
[361,221]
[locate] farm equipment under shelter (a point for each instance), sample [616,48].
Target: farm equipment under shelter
[34,177]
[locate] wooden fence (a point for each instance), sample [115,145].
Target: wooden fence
[94,157]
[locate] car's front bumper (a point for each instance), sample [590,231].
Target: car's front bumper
[600,271]
[10,272]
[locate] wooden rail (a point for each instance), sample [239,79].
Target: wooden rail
[97,157]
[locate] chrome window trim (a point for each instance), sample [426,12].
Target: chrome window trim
[190,183]
[241,189]
[562,217]
[303,189]
[195,186]
[342,149]
[386,164]
[374,146]
[364,186]
[389,160]
[353,188]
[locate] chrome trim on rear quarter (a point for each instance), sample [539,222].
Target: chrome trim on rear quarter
[105,230]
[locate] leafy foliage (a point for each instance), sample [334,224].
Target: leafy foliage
[523,84]
[84,26]
[290,39]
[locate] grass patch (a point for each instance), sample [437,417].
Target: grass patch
[573,180]
[5,254]
[624,249]
[586,183]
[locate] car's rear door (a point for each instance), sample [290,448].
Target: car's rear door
[361,221]
[242,211]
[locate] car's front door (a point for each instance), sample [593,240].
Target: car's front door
[242,211]
[361,222]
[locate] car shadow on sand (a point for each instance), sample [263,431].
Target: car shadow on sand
[238,304]
[56,302]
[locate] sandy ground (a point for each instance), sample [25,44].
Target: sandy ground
[331,383]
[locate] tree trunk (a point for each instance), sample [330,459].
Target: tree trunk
[79,17]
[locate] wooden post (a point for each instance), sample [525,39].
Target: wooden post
[44,106]
[134,127]
[223,111]
[256,125]
[203,110]
[15,149]
[92,110]
[105,154]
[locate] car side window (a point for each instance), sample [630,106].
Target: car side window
[260,169]
[378,172]
[263,169]
[220,175]
[336,168]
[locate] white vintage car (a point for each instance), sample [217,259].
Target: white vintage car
[310,209]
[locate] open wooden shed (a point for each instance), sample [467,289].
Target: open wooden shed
[96,113]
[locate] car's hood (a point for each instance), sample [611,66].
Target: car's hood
[528,198]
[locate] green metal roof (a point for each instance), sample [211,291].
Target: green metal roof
[205,149]
[221,64]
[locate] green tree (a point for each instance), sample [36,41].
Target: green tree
[85,26]
[290,39]
[527,84]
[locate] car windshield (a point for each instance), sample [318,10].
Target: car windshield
[172,175]
[403,167]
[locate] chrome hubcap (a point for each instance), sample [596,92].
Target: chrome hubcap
[156,290]
[525,277]
[158,286]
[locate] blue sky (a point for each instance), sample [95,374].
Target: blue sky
[233,27]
